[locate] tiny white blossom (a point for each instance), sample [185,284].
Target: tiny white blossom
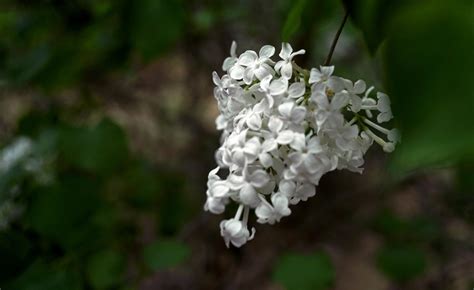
[284,66]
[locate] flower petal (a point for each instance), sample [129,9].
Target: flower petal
[248,58]
[275,124]
[286,50]
[259,178]
[296,90]
[266,51]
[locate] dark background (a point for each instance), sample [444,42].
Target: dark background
[112,100]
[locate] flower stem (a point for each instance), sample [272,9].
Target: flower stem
[336,38]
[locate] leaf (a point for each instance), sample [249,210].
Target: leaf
[143,185]
[156,25]
[60,212]
[14,250]
[401,262]
[100,149]
[173,209]
[105,269]
[417,229]
[373,17]
[293,20]
[429,72]
[41,276]
[165,254]
[304,272]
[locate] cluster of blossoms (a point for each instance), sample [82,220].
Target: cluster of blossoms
[18,160]
[284,127]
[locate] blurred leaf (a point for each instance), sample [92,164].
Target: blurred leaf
[461,198]
[14,249]
[429,72]
[40,276]
[173,209]
[60,212]
[304,272]
[165,254]
[105,269]
[100,149]
[418,229]
[372,17]
[156,25]
[204,19]
[293,20]
[143,184]
[401,262]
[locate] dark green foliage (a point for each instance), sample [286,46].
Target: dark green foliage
[106,269]
[372,17]
[41,276]
[401,262]
[100,149]
[54,44]
[293,21]
[419,229]
[165,253]
[14,250]
[304,272]
[61,211]
[155,25]
[429,69]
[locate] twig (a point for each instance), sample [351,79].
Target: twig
[336,38]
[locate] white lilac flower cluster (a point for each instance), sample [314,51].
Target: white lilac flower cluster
[284,127]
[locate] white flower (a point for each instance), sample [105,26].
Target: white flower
[250,65]
[15,153]
[235,231]
[296,90]
[254,149]
[284,66]
[277,135]
[383,105]
[278,140]
[248,184]
[296,193]
[329,112]
[270,214]
[321,75]
[274,87]
[216,193]
[232,59]
[292,113]
[354,90]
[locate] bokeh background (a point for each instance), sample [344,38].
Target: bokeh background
[107,136]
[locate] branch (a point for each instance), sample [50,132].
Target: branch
[336,38]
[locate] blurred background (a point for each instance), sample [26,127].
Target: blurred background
[107,136]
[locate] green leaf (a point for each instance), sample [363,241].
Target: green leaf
[372,17]
[165,254]
[417,229]
[105,269]
[14,250]
[143,185]
[60,212]
[173,211]
[429,67]
[40,276]
[293,20]
[304,272]
[156,25]
[401,262]
[100,149]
